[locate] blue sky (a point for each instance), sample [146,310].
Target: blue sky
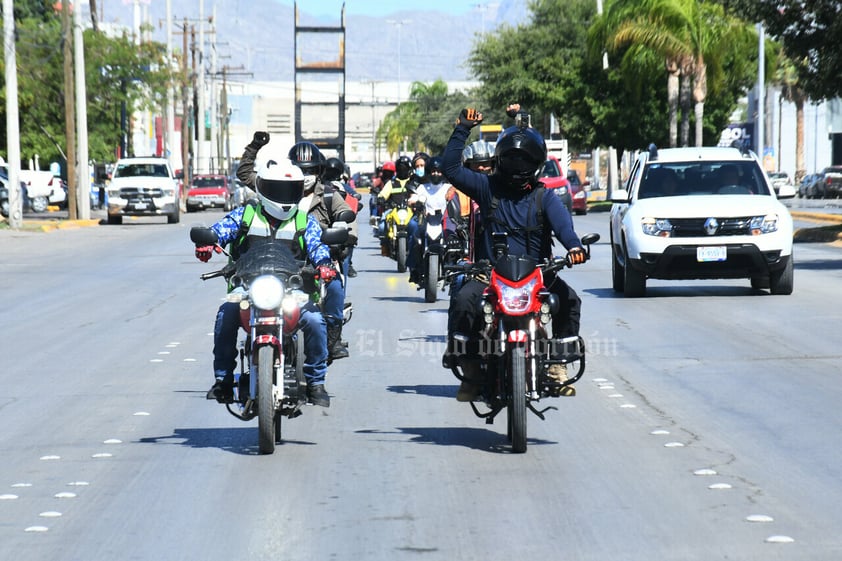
[385,7]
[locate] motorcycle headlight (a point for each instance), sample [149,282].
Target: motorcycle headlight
[403,214]
[518,299]
[266,292]
[656,227]
[764,224]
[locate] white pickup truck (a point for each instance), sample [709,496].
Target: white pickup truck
[42,188]
[143,187]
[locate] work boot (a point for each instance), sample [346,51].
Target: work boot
[352,272]
[317,395]
[472,380]
[335,349]
[557,374]
[222,390]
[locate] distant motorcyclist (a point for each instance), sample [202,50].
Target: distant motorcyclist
[275,214]
[395,192]
[336,177]
[419,170]
[433,196]
[512,201]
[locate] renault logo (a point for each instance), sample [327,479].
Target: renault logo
[711,226]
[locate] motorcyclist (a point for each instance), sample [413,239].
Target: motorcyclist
[395,192]
[432,195]
[382,175]
[274,214]
[322,201]
[511,200]
[336,177]
[419,170]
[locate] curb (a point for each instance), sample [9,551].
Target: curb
[817,216]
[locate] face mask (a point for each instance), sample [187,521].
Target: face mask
[419,171]
[309,183]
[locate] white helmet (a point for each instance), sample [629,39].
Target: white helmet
[280,187]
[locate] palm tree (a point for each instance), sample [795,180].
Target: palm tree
[689,35]
[786,76]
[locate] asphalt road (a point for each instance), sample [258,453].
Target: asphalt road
[706,426]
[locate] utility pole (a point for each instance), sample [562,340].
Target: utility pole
[199,91]
[83,198]
[69,114]
[12,119]
[170,131]
[185,129]
[225,117]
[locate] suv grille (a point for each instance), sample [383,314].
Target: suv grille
[695,227]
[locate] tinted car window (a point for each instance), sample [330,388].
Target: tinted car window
[702,178]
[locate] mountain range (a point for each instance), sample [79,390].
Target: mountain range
[256,38]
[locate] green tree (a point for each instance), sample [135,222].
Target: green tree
[810,32]
[116,71]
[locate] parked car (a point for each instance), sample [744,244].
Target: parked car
[807,186]
[552,178]
[831,182]
[780,179]
[699,213]
[210,191]
[143,187]
[4,195]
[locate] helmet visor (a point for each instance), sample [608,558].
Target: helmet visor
[518,163]
[282,192]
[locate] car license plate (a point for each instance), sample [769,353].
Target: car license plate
[710,253]
[140,206]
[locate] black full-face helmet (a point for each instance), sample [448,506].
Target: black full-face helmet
[519,156]
[334,169]
[435,170]
[403,167]
[308,158]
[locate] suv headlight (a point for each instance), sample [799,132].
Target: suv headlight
[764,224]
[656,227]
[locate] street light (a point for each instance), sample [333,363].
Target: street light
[399,23]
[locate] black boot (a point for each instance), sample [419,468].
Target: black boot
[317,395]
[335,349]
[222,390]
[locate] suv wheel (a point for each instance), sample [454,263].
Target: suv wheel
[617,273]
[174,217]
[115,219]
[634,282]
[781,282]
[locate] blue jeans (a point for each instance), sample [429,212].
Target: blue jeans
[415,236]
[312,327]
[334,303]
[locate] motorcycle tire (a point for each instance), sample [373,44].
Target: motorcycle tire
[516,408]
[431,282]
[401,255]
[265,399]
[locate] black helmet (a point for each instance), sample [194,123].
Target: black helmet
[334,168]
[520,155]
[435,170]
[403,167]
[308,157]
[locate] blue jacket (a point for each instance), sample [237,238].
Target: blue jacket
[516,209]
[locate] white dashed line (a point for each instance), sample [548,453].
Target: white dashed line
[779,539]
[48,458]
[705,471]
[112,441]
[8,497]
[101,455]
[759,518]
[658,432]
[717,486]
[36,529]
[141,414]
[65,495]
[50,514]
[674,445]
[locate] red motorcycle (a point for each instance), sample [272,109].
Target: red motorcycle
[517,346]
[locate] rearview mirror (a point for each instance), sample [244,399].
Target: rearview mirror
[202,235]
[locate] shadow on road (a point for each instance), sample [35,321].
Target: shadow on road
[241,441]
[431,390]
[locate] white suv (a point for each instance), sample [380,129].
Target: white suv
[143,187]
[699,213]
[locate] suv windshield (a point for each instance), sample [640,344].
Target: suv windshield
[702,178]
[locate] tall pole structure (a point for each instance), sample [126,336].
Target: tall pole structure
[185,111]
[761,92]
[83,190]
[200,93]
[12,116]
[170,136]
[399,23]
[69,110]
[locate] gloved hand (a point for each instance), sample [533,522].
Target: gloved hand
[261,139]
[469,117]
[512,110]
[205,252]
[327,273]
[577,256]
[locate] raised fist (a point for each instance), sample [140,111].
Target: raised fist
[469,117]
[261,139]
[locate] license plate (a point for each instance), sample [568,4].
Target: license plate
[707,254]
[140,206]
